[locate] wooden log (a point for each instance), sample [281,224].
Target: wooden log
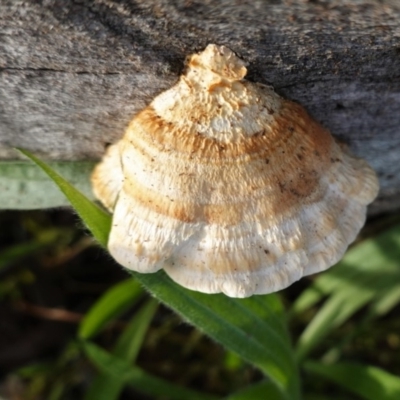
[72,73]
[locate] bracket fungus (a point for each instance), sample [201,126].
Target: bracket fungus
[229,187]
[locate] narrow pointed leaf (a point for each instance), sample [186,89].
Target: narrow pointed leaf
[107,387]
[234,324]
[96,219]
[369,382]
[121,370]
[364,258]
[111,305]
[368,273]
[130,342]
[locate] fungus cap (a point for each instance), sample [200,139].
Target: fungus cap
[228,187]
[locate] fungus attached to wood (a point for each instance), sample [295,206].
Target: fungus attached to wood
[228,187]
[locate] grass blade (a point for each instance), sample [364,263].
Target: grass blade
[107,387]
[112,304]
[140,380]
[235,325]
[96,219]
[130,342]
[368,272]
[360,259]
[369,382]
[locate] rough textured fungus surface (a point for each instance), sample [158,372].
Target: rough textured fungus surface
[228,187]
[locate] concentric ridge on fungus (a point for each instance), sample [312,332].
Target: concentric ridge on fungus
[228,187]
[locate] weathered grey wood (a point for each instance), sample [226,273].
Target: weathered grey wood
[72,73]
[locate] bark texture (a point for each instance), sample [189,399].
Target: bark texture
[72,73]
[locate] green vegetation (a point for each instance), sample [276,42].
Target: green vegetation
[339,324]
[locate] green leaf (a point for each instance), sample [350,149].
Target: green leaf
[253,328]
[307,299]
[359,260]
[261,390]
[368,272]
[381,305]
[386,302]
[111,305]
[130,342]
[334,312]
[237,324]
[106,387]
[96,219]
[369,382]
[120,369]
[23,186]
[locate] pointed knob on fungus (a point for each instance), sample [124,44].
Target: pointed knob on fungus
[215,64]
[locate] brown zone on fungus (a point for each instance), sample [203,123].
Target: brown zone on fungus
[253,208]
[159,203]
[309,145]
[313,140]
[301,143]
[189,212]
